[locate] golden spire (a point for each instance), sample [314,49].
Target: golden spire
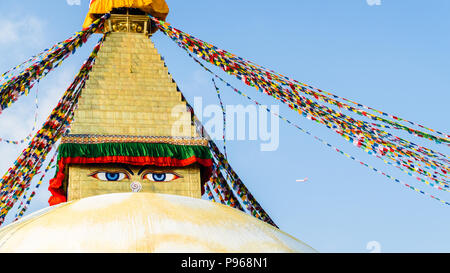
[157,8]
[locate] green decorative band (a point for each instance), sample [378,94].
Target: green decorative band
[134,149]
[96,139]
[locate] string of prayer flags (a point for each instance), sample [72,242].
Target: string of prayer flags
[18,178]
[229,191]
[28,137]
[445,188]
[12,88]
[369,129]
[23,207]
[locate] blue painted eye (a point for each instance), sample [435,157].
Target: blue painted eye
[161,177]
[110,176]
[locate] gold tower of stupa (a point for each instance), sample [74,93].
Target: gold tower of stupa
[131,97]
[131,170]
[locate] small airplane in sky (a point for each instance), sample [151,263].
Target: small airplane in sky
[302,180]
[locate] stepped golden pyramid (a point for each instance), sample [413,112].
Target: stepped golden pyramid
[130,93]
[144,193]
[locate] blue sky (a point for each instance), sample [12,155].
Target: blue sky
[392,56]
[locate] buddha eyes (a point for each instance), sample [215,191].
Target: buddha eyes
[119,176]
[160,177]
[110,176]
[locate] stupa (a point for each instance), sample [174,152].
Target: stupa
[130,172]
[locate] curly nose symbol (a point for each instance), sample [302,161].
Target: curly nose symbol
[136,186]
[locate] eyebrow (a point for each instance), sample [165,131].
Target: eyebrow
[143,169]
[128,169]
